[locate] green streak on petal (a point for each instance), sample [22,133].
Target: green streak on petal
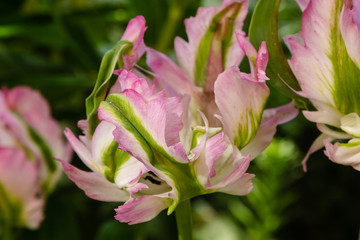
[121,119]
[10,210]
[345,72]
[125,107]
[229,33]
[45,150]
[246,132]
[349,144]
[197,133]
[120,158]
[202,56]
[108,159]
[183,175]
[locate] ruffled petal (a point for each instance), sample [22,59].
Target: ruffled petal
[231,176]
[344,153]
[147,118]
[211,41]
[134,33]
[141,209]
[241,103]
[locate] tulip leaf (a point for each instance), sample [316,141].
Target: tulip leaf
[107,67]
[264,27]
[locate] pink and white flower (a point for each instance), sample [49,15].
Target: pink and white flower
[208,72]
[194,133]
[138,155]
[30,140]
[326,62]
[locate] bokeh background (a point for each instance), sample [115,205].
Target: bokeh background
[56,46]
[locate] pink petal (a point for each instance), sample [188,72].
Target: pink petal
[241,104]
[134,33]
[149,112]
[233,178]
[261,62]
[19,178]
[356,15]
[183,54]
[302,4]
[95,185]
[166,71]
[313,74]
[34,109]
[81,150]
[350,31]
[141,209]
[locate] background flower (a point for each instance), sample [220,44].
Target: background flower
[325,62]
[30,140]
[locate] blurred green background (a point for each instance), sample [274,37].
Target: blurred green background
[56,46]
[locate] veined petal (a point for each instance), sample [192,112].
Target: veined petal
[231,176]
[327,65]
[205,164]
[315,79]
[241,103]
[149,118]
[344,153]
[95,185]
[211,37]
[270,120]
[166,71]
[141,209]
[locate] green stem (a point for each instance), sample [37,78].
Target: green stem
[184,220]
[168,31]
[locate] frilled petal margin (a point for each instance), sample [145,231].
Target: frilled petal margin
[231,176]
[344,153]
[241,103]
[141,209]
